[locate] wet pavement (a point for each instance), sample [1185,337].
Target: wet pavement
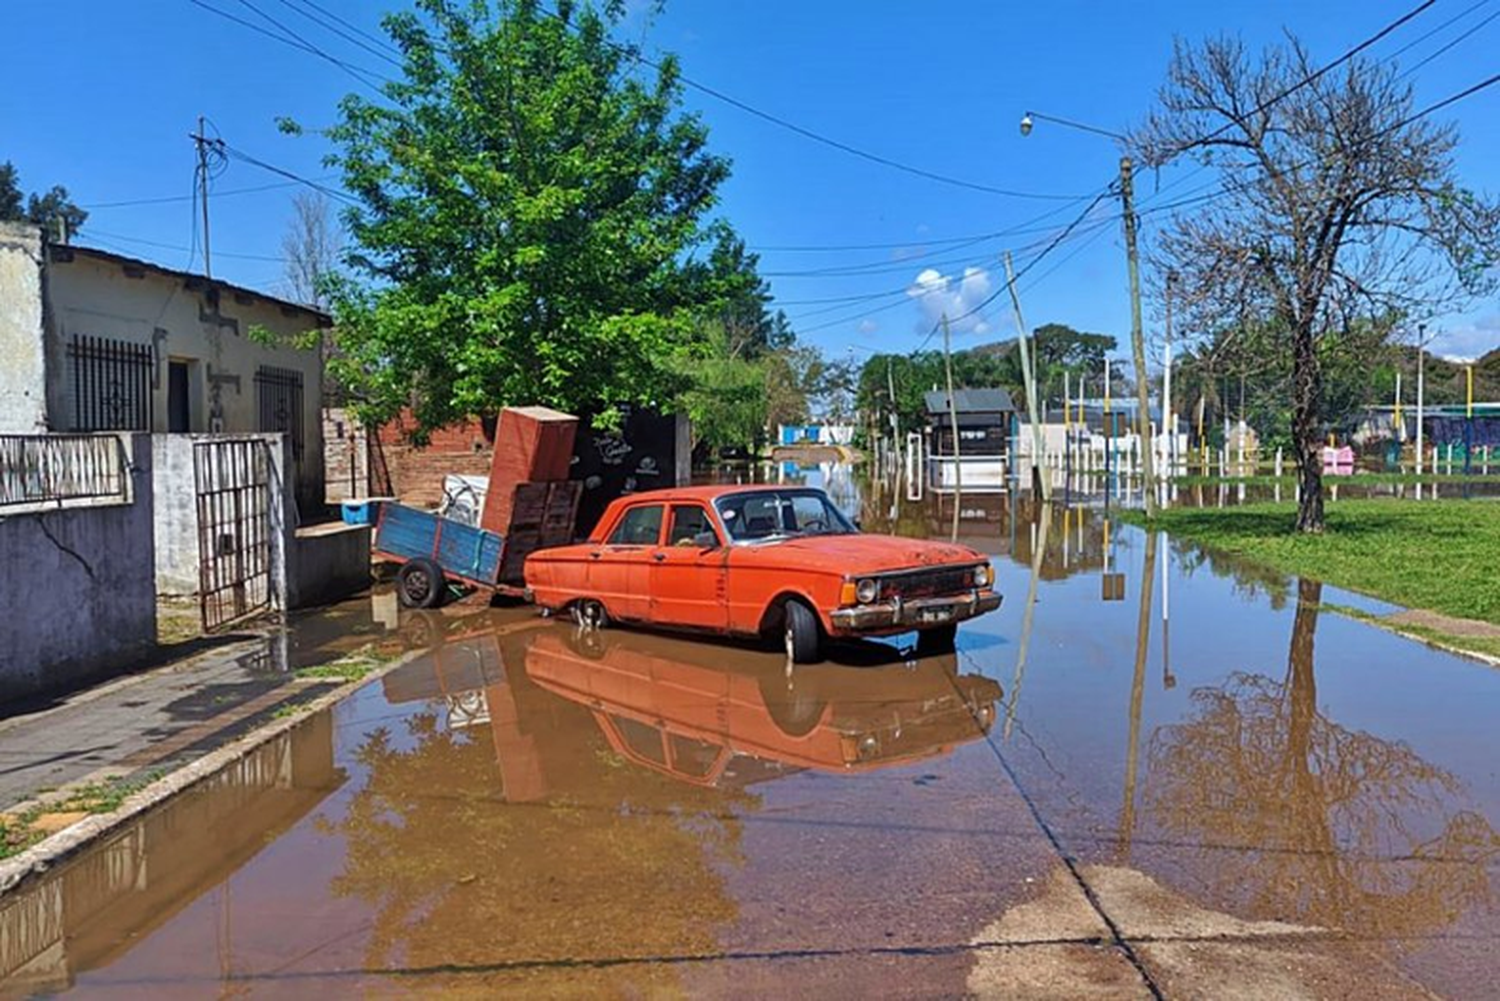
[1154,771]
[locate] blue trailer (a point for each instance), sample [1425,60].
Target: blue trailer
[436,552]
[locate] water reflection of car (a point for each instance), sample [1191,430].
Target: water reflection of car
[714,715]
[761,561]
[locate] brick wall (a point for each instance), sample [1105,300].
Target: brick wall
[415,475]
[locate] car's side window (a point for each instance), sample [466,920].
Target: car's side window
[641,526]
[688,521]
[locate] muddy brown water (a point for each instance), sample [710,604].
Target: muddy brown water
[1153,769]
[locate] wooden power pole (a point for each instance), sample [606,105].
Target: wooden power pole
[1028,375]
[1137,338]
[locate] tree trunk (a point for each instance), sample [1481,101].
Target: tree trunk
[1307,428]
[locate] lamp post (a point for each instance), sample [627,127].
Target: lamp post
[1132,260]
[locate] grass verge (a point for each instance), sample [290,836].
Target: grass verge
[1434,555]
[1354,480]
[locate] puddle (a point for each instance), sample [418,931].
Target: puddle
[1242,780]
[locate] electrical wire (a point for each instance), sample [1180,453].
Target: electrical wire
[170,199]
[632,53]
[360,74]
[313,16]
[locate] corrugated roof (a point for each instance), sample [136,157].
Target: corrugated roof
[970,401]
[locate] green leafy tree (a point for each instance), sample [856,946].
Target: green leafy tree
[531,206]
[54,210]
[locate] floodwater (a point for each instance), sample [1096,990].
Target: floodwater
[1152,770]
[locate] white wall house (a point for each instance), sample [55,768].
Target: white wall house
[95,341]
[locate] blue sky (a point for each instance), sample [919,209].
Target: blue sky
[103,95]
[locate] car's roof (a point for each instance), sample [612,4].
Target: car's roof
[707,492]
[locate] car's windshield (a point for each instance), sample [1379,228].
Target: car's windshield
[777,514]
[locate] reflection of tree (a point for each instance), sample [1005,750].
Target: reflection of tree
[1250,579]
[617,861]
[1334,827]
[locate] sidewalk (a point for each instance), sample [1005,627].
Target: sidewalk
[130,729]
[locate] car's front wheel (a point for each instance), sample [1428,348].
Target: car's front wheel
[804,642]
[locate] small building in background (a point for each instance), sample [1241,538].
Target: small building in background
[986,426]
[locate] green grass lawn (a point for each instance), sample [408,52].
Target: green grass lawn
[1438,555]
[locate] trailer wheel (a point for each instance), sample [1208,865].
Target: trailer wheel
[420,584]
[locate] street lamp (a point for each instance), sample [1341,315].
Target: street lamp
[1137,338]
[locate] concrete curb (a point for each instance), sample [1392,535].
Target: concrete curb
[1394,629]
[57,848]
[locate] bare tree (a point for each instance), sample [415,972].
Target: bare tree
[1337,204]
[310,247]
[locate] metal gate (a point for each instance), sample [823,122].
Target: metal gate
[233,482]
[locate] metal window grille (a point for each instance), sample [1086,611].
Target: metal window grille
[111,384]
[60,467]
[279,392]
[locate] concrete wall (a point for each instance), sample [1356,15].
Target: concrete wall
[78,589]
[183,318]
[23,369]
[327,562]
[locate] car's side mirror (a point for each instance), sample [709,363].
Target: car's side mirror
[859,526]
[706,540]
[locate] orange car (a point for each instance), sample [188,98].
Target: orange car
[760,561]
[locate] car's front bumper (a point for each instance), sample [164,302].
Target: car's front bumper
[920,613]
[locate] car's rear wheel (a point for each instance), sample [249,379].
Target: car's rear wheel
[590,614]
[804,642]
[937,640]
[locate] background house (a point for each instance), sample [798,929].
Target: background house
[985,426]
[95,341]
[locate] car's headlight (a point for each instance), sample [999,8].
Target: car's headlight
[984,576]
[867,591]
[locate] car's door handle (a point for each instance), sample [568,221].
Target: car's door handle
[595,554]
[658,557]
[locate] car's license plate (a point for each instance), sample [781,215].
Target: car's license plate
[936,614]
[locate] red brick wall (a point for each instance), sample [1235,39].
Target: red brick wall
[415,475]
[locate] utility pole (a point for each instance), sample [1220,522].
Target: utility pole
[1168,416]
[890,382]
[1137,338]
[1023,336]
[958,475]
[202,142]
[1421,350]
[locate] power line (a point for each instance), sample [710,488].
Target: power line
[358,73]
[1307,80]
[807,133]
[171,199]
[1439,51]
[175,246]
[342,196]
[1019,274]
[313,16]
[376,39]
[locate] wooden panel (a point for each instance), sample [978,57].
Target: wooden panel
[532,445]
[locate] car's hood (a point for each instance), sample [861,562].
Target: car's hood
[855,554]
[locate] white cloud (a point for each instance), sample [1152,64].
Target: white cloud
[1469,340]
[959,297]
[868,326]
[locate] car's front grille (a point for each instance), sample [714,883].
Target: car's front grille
[927,583]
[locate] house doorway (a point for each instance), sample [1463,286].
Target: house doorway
[179,407]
